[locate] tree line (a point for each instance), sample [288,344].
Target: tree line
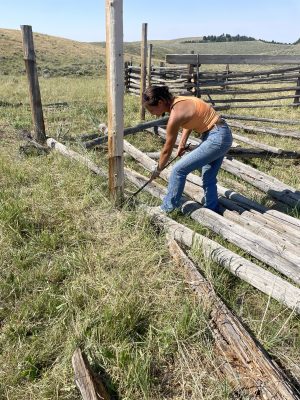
[221,38]
[231,38]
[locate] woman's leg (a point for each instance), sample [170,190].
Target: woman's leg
[209,184]
[214,146]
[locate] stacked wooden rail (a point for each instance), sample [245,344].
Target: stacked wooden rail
[159,76]
[273,86]
[244,223]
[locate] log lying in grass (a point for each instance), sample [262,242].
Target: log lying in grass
[245,362]
[274,254]
[252,118]
[53,144]
[254,143]
[277,256]
[88,383]
[259,225]
[261,279]
[230,107]
[241,152]
[271,131]
[266,183]
[128,131]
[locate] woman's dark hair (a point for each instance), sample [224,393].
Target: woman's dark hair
[153,94]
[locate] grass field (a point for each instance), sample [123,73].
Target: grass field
[77,272]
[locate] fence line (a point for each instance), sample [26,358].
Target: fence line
[190,80]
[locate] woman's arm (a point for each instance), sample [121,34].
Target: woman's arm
[171,136]
[182,144]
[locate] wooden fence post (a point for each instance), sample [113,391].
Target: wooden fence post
[33,82]
[126,77]
[143,67]
[227,72]
[297,93]
[190,71]
[198,77]
[149,63]
[115,97]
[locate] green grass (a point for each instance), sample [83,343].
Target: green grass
[77,272]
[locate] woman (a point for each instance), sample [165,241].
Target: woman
[189,113]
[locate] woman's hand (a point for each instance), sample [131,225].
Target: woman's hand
[181,150]
[155,173]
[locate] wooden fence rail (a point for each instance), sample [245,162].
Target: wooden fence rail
[190,80]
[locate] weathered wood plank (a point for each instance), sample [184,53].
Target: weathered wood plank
[270,185]
[241,152]
[246,91]
[249,367]
[231,59]
[251,99]
[248,81]
[268,72]
[143,68]
[128,131]
[89,385]
[259,145]
[235,106]
[263,280]
[33,82]
[61,148]
[150,54]
[115,98]
[254,118]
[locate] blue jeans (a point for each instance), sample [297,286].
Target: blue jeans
[208,156]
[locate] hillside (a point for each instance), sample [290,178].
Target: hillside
[61,57]
[57,55]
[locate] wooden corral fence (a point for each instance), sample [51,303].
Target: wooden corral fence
[258,86]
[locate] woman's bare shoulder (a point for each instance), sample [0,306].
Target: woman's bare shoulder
[183,110]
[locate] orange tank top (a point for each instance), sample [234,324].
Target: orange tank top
[204,117]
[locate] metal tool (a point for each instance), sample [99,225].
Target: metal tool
[150,180]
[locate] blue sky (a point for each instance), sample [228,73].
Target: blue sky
[167,19]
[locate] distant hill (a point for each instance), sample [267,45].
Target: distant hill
[61,57]
[179,46]
[55,56]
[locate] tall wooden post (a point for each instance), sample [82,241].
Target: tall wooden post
[33,82]
[297,93]
[115,97]
[190,71]
[127,78]
[143,68]
[149,63]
